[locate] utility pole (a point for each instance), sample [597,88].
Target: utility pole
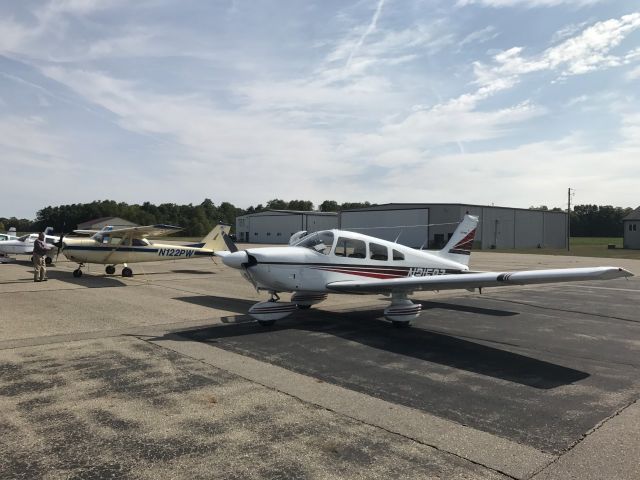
[569,218]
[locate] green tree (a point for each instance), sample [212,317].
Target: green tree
[301,205]
[329,206]
[277,204]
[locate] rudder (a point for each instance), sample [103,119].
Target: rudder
[459,246]
[214,239]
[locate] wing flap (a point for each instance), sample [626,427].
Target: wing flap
[478,280]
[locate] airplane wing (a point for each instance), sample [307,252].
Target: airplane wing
[478,280]
[137,232]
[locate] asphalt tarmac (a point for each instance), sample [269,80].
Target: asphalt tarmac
[165,376]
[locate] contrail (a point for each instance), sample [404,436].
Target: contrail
[369,29]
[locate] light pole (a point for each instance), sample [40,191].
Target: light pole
[569,217]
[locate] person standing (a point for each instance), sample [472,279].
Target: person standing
[40,248]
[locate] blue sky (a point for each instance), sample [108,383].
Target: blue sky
[470,101]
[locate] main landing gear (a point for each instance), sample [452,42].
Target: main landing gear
[126,271]
[77,273]
[402,311]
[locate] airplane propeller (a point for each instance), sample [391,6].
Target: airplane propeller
[60,243]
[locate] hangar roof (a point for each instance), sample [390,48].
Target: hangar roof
[410,206]
[290,212]
[635,215]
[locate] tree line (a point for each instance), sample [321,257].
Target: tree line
[197,220]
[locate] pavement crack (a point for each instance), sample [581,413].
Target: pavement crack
[593,430]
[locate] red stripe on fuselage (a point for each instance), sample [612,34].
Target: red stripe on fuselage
[363,272]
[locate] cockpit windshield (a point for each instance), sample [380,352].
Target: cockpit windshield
[24,238]
[321,242]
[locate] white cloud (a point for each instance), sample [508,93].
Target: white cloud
[586,52]
[530,174]
[423,130]
[29,140]
[527,3]
[480,36]
[633,74]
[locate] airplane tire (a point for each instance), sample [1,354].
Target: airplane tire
[77,273]
[304,307]
[48,261]
[110,269]
[127,272]
[401,324]
[266,323]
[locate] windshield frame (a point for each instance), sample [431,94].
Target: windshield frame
[314,241]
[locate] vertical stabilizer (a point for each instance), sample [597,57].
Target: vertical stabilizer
[214,239]
[458,248]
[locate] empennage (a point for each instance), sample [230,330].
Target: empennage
[458,248]
[214,240]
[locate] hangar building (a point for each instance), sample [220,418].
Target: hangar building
[416,224]
[432,224]
[277,226]
[99,223]
[632,229]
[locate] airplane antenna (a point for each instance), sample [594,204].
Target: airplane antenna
[396,240]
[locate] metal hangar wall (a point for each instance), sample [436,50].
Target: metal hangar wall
[277,226]
[431,224]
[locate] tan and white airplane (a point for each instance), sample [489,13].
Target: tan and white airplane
[114,246]
[337,261]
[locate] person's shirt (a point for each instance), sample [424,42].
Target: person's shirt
[40,247]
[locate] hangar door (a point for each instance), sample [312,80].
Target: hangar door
[411,225]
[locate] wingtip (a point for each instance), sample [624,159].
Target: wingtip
[626,273]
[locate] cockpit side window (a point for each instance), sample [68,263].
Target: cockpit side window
[24,238]
[139,242]
[348,247]
[378,252]
[320,242]
[398,255]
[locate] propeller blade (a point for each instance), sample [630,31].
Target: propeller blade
[60,245]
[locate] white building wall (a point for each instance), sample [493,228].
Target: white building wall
[277,227]
[555,230]
[529,228]
[274,228]
[409,224]
[316,222]
[498,227]
[631,234]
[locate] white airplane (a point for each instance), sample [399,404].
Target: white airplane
[24,245]
[10,235]
[112,247]
[337,261]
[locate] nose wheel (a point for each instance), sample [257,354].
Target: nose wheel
[77,272]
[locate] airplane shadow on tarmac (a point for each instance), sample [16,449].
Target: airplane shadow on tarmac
[88,279]
[366,328]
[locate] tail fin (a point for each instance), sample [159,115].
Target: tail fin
[458,248]
[214,239]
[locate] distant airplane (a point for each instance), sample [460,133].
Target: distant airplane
[111,246]
[24,245]
[337,261]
